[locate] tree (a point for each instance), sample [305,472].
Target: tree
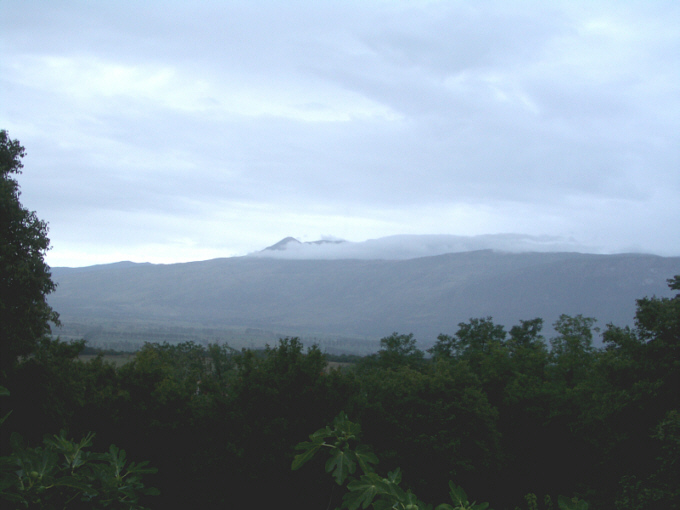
[642,368]
[399,350]
[25,278]
[572,350]
[473,338]
[526,336]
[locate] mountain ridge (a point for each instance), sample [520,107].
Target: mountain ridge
[283,244]
[361,298]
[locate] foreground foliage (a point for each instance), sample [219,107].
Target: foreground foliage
[341,441]
[369,488]
[65,474]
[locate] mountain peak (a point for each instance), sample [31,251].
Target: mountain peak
[282,244]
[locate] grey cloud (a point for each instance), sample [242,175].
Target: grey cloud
[357,110]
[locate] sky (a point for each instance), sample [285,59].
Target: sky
[167,131]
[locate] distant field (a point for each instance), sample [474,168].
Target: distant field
[117,359]
[121,359]
[130,336]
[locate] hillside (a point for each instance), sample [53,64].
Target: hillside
[263,298]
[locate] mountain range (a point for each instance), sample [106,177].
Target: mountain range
[262,296]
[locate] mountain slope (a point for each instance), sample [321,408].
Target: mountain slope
[364,298]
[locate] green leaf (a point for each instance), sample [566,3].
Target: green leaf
[340,420]
[362,491]
[47,462]
[411,502]
[304,445]
[117,459]
[321,434]
[365,457]
[86,441]
[346,428]
[141,468]
[394,476]
[2,420]
[70,481]
[458,495]
[303,457]
[342,465]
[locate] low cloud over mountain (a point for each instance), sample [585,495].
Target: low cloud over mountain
[403,247]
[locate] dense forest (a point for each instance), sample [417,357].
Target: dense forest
[515,419]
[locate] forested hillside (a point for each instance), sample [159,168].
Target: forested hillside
[339,303]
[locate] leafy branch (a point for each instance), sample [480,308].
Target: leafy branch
[63,472]
[369,489]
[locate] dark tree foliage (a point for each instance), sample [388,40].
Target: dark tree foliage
[502,416]
[218,422]
[396,351]
[638,377]
[400,349]
[437,420]
[472,340]
[25,279]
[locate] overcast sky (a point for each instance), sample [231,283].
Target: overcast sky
[168,131]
